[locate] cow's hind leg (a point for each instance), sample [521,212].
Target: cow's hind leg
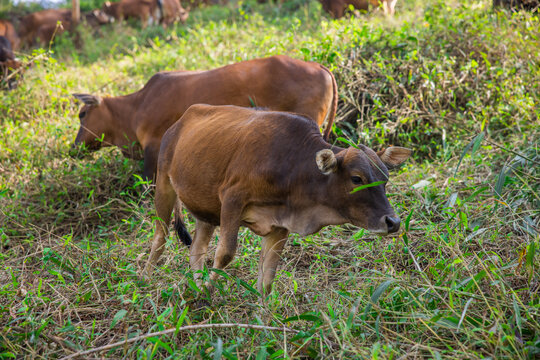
[272,247]
[164,201]
[199,248]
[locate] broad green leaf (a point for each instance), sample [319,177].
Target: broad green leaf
[118,316]
[500,181]
[362,187]
[305,316]
[248,287]
[262,354]
[469,145]
[379,291]
[347,141]
[477,142]
[219,349]
[181,320]
[376,295]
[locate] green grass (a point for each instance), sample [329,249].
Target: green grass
[460,281]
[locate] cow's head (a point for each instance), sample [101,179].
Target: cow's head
[94,130]
[183,15]
[352,168]
[110,10]
[98,17]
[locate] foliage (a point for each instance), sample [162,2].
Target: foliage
[460,280]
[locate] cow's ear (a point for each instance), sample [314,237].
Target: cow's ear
[394,156]
[326,161]
[88,99]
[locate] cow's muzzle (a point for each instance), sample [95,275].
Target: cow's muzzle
[387,225]
[392,223]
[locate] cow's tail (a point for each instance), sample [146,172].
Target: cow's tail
[179,226]
[332,112]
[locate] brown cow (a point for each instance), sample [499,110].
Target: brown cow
[96,18]
[43,25]
[170,11]
[8,31]
[269,171]
[140,119]
[337,8]
[144,10]
[8,63]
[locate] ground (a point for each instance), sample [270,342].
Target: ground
[456,82]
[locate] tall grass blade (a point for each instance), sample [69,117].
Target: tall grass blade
[474,142]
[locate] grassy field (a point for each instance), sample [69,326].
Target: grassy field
[455,81]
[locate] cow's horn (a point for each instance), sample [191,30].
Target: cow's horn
[326,161]
[88,99]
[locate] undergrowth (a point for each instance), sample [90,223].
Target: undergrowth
[457,83]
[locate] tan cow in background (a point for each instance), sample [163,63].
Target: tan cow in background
[137,121]
[42,25]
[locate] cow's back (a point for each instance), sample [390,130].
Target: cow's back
[277,83]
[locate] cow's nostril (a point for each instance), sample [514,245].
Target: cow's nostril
[392,223]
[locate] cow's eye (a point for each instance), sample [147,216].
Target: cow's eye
[82,114]
[357,180]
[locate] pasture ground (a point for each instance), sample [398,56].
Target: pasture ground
[455,81]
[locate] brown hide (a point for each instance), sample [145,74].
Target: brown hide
[6,52]
[141,118]
[43,24]
[172,12]
[8,31]
[96,18]
[8,63]
[269,171]
[337,8]
[142,10]
[112,9]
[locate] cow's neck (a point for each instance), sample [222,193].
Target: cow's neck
[310,208]
[122,110]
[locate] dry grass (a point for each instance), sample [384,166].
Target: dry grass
[460,280]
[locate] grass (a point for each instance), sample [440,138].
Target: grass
[456,82]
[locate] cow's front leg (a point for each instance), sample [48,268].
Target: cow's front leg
[231,210]
[272,247]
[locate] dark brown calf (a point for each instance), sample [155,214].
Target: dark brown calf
[8,63]
[8,31]
[139,120]
[269,171]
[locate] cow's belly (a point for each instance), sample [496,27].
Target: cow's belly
[201,203]
[260,219]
